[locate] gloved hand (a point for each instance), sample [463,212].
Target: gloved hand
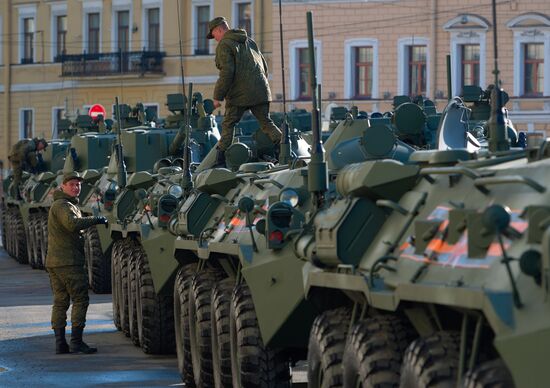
[102,221]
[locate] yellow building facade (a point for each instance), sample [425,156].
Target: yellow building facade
[61,57]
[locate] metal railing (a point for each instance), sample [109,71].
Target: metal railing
[128,62]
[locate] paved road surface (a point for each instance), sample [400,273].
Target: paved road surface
[27,357]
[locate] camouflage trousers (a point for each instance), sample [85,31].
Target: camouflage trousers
[69,283]
[232,116]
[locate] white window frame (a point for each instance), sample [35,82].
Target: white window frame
[54,133]
[89,7]
[293,47]
[234,15]
[524,35]
[21,117]
[118,6]
[474,33]
[146,5]
[57,9]
[194,26]
[349,65]
[24,12]
[403,63]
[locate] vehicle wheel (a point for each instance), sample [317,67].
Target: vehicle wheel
[156,311]
[43,225]
[490,374]
[133,291]
[3,224]
[327,340]
[221,342]
[374,351]
[431,361]
[123,257]
[199,325]
[115,283]
[8,231]
[99,273]
[181,323]
[252,363]
[30,232]
[20,239]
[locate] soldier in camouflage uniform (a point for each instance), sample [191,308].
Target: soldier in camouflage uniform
[65,264]
[242,83]
[23,157]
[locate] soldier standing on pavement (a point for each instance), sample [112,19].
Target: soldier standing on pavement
[24,157]
[242,83]
[65,264]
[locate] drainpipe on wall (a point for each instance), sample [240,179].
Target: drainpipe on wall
[7,79]
[433,59]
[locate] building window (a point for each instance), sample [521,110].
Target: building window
[413,66]
[26,128]
[531,53]
[468,47]
[361,68]
[363,71]
[123,30]
[304,83]
[153,29]
[300,73]
[417,70]
[203,17]
[58,113]
[243,16]
[470,64]
[534,69]
[28,40]
[61,36]
[93,33]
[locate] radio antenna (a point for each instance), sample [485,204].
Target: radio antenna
[284,150]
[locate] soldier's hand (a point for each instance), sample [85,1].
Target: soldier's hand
[103,221]
[217,104]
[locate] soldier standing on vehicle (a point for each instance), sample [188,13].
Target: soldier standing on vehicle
[242,83]
[65,264]
[24,157]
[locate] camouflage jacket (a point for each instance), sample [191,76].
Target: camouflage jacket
[23,151]
[65,223]
[243,71]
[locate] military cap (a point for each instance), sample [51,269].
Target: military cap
[218,21]
[71,175]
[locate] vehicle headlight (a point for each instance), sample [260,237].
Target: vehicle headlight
[175,190]
[290,196]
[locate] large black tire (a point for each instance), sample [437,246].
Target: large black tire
[115,283]
[327,341]
[490,374]
[32,246]
[253,365]
[20,239]
[156,311]
[200,325]
[374,352]
[99,264]
[3,224]
[431,362]
[123,258]
[221,341]
[44,239]
[133,292]
[181,323]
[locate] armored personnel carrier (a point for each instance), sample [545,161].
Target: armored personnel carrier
[146,150]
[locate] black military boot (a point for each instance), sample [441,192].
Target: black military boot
[61,346]
[220,159]
[77,345]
